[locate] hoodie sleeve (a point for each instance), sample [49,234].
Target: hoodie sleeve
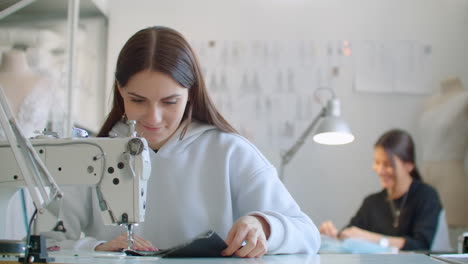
[80,217]
[82,244]
[74,219]
[292,231]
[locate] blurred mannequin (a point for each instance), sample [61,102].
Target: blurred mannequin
[444,135]
[27,91]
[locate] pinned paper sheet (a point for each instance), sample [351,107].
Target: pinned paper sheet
[393,67]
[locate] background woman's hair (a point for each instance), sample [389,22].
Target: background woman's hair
[164,50]
[397,142]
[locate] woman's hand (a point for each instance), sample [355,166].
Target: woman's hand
[254,230]
[120,243]
[328,228]
[355,232]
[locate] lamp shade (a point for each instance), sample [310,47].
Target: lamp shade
[333,130]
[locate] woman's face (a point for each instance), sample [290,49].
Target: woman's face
[157,103]
[390,175]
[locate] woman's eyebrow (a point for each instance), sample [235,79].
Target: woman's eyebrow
[136,95]
[165,98]
[171,96]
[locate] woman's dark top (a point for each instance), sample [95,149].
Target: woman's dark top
[418,218]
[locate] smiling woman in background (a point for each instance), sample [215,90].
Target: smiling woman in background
[405,213]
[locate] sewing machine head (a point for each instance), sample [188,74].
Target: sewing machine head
[118,167]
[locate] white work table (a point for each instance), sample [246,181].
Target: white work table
[101,258]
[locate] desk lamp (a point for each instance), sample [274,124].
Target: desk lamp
[333,130]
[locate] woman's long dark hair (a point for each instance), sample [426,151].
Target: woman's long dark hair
[162,49]
[397,142]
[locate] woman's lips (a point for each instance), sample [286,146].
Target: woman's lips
[152,129]
[386,179]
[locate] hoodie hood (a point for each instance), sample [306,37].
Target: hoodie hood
[174,144]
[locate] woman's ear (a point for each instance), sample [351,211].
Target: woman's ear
[403,165]
[409,166]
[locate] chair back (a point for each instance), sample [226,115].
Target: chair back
[441,241]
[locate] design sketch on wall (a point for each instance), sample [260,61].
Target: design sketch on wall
[267,87]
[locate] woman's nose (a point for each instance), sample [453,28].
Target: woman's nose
[154,114]
[378,169]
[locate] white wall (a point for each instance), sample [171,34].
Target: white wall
[328,182]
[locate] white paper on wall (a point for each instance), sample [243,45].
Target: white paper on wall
[413,61]
[393,67]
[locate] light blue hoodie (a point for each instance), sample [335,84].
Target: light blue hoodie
[208,180]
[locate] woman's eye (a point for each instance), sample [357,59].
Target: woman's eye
[136,100]
[171,102]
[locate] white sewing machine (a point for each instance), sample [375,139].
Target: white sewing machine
[118,167]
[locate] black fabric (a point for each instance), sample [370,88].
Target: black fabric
[207,244]
[418,220]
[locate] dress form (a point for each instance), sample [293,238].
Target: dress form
[27,91]
[444,134]
[16,77]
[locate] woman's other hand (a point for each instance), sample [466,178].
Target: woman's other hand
[120,243]
[355,232]
[254,231]
[328,228]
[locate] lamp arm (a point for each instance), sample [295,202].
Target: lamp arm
[287,156]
